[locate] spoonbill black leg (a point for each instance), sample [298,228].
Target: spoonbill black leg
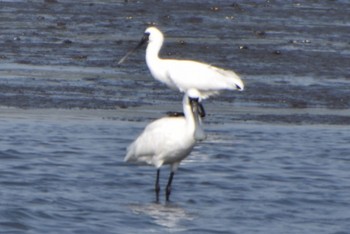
[168,187]
[157,187]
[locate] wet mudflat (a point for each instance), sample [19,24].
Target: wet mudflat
[276,157]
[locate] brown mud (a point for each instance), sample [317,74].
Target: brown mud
[293,56]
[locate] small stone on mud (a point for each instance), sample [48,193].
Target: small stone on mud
[67,41]
[260,33]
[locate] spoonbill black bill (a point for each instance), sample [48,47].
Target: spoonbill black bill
[169,140]
[185,74]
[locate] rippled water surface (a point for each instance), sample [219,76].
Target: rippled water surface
[66,174]
[276,159]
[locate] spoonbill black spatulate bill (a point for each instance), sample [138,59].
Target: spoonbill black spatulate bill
[185,74]
[169,140]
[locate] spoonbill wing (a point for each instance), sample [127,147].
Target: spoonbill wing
[158,139]
[203,77]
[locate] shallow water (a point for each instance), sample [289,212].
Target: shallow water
[63,172]
[276,159]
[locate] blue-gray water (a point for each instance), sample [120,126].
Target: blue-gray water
[276,159]
[67,175]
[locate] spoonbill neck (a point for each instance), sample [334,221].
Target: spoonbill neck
[193,121]
[157,66]
[152,51]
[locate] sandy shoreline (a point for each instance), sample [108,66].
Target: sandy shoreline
[217,114]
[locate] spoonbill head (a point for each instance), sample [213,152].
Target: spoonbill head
[169,140]
[185,74]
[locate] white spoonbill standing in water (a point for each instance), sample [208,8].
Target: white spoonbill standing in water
[169,140]
[185,74]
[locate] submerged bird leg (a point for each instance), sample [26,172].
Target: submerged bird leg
[168,187]
[157,187]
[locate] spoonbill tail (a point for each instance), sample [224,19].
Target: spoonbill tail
[169,140]
[185,74]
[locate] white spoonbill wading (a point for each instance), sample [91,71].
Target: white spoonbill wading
[169,140]
[185,74]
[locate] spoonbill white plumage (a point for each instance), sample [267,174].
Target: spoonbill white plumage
[169,140]
[185,74]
